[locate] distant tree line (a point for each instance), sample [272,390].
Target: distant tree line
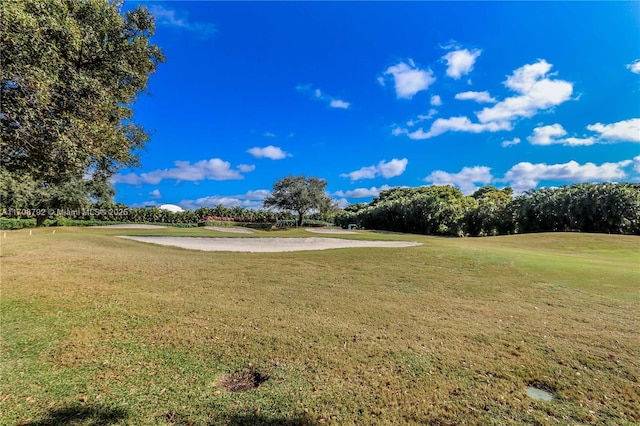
[431,210]
[444,210]
[115,212]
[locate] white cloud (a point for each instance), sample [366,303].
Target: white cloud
[271,152]
[454,124]
[363,173]
[250,200]
[362,192]
[536,91]
[421,117]
[171,18]
[342,203]
[258,194]
[397,131]
[514,141]
[436,100]
[465,179]
[634,66]
[213,169]
[409,79]
[320,95]
[450,45]
[623,131]
[547,135]
[460,62]
[392,168]
[387,170]
[155,194]
[524,176]
[269,135]
[550,135]
[573,141]
[481,97]
[432,112]
[337,103]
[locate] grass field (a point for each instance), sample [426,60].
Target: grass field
[101,330]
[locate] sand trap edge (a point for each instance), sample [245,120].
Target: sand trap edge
[266,245]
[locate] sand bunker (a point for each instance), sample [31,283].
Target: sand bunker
[231,230]
[265,245]
[329,231]
[130,226]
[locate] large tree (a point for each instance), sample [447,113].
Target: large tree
[299,194]
[70,73]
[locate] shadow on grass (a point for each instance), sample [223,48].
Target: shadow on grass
[382,231]
[81,415]
[261,420]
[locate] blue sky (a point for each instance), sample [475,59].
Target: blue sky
[371,95]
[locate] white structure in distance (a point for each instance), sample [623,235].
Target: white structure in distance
[171,207]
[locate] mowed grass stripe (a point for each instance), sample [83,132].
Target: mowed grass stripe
[99,329]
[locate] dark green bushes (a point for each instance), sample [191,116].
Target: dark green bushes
[444,210]
[103,214]
[14,223]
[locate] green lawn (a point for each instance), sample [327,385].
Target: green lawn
[101,330]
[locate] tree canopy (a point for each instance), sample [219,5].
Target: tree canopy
[444,210]
[71,71]
[299,194]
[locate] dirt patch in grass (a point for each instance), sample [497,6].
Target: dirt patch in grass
[241,381]
[543,386]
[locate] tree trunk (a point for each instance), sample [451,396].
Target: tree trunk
[40,220]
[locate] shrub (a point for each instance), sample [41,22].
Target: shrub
[8,223]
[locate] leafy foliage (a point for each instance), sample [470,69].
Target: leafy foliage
[444,210]
[492,214]
[299,194]
[20,191]
[13,223]
[104,213]
[71,71]
[607,207]
[426,210]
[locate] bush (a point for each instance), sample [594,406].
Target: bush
[227,223]
[7,223]
[444,210]
[64,221]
